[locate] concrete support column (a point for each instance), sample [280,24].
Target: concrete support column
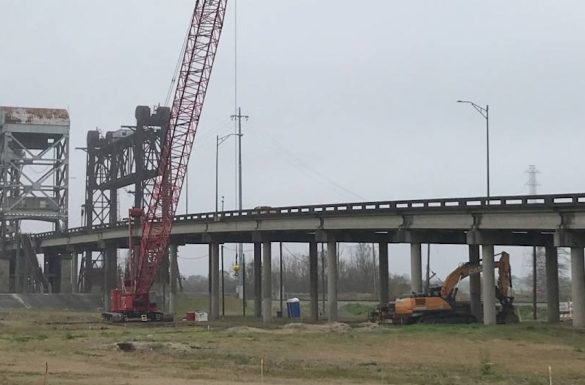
[75,272]
[332,280]
[66,285]
[209,273]
[19,267]
[488,285]
[578,286]
[314,281]
[416,283]
[383,273]
[267,284]
[552,284]
[110,275]
[475,283]
[4,275]
[258,280]
[87,272]
[52,270]
[173,279]
[214,281]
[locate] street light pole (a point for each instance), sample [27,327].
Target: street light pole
[485,112]
[218,141]
[487,137]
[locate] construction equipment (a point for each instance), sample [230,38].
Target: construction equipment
[439,304]
[132,300]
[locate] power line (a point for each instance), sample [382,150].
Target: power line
[307,167]
[177,67]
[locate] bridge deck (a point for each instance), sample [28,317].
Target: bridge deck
[513,220]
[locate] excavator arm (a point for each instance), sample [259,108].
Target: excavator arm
[465,270]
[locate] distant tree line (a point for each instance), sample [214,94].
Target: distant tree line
[358,276]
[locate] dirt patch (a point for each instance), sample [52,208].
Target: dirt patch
[149,346]
[294,328]
[335,327]
[246,330]
[368,326]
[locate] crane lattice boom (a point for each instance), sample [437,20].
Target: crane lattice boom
[193,79]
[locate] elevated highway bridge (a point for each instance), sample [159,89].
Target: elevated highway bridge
[549,221]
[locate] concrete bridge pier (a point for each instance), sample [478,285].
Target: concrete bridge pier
[258,279]
[332,277]
[314,281]
[214,313]
[383,273]
[110,274]
[475,283]
[552,284]
[52,270]
[267,284]
[75,272]
[488,285]
[578,286]
[209,274]
[173,251]
[67,269]
[416,268]
[4,274]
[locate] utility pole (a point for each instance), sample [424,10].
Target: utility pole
[240,251]
[187,189]
[222,275]
[532,190]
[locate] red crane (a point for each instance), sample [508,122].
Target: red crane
[132,301]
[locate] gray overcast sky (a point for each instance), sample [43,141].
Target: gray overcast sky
[348,99]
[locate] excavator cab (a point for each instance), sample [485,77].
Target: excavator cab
[434,291]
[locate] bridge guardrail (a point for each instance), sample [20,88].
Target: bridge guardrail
[553,201]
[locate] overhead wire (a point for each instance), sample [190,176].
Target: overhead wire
[307,167]
[177,68]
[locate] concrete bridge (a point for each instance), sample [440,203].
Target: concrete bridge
[550,221]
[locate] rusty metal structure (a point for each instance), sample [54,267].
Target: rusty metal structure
[127,157]
[34,174]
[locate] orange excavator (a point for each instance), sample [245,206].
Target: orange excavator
[439,305]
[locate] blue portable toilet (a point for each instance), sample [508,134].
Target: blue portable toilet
[293,307]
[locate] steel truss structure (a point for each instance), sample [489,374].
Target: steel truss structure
[118,159]
[34,174]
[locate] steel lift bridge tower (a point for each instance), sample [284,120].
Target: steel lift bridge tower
[126,158]
[34,173]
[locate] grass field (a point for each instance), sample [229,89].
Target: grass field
[78,349]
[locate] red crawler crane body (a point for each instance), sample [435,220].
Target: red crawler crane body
[133,301]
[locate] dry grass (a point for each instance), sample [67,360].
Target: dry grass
[81,350]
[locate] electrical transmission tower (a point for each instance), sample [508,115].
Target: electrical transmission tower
[532,182]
